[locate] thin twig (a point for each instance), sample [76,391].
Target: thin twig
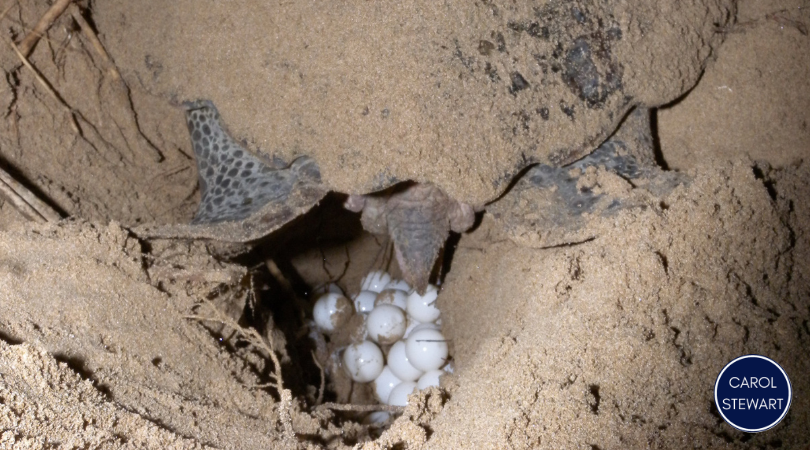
[45,22]
[285,417]
[319,400]
[26,202]
[122,93]
[47,87]
[360,408]
[94,40]
[251,335]
[24,208]
[5,11]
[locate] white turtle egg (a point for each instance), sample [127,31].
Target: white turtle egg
[375,281]
[399,364]
[423,307]
[377,417]
[399,395]
[386,324]
[422,326]
[412,323]
[364,301]
[401,285]
[332,311]
[384,383]
[363,362]
[429,379]
[426,349]
[392,297]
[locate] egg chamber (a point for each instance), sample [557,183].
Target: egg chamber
[326,245]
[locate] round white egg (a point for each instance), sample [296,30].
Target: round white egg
[384,383]
[386,324]
[377,417]
[364,301]
[429,379]
[375,281]
[399,364]
[423,307]
[412,323]
[363,362]
[392,297]
[399,395]
[426,349]
[401,285]
[421,326]
[332,311]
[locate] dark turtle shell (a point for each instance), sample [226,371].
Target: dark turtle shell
[459,94]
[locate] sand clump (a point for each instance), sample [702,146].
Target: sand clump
[617,342]
[95,309]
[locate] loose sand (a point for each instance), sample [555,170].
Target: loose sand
[612,343]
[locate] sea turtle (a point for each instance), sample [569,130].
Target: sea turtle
[421,112]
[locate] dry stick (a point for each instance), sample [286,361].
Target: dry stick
[88,32]
[319,400]
[24,208]
[285,417]
[47,87]
[26,201]
[20,197]
[5,11]
[253,336]
[360,408]
[45,22]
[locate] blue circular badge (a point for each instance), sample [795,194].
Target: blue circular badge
[752,393]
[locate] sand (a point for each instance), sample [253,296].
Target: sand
[611,343]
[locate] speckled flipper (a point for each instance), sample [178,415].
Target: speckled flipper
[551,206]
[234,183]
[243,198]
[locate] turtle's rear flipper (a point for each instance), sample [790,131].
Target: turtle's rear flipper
[552,206]
[243,197]
[418,217]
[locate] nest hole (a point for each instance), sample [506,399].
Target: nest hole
[326,245]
